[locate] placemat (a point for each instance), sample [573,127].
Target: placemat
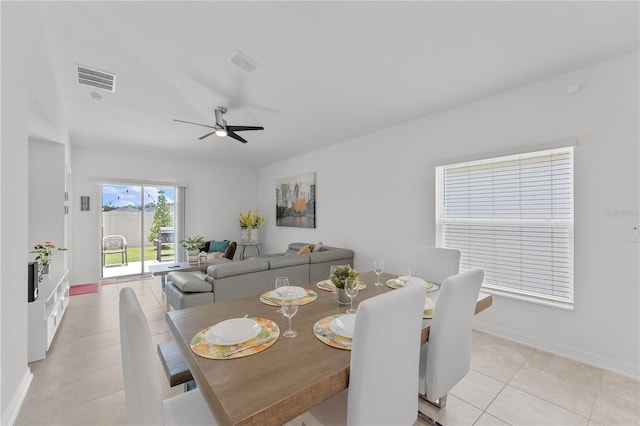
[270,298]
[322,331]
[327,285]
[201,347]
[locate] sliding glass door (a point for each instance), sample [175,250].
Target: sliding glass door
[137,229]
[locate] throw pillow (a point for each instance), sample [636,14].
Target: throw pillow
[215,255]
[218,246]
[304,250]
[318,247]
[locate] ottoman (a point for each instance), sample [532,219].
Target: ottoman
[188,289]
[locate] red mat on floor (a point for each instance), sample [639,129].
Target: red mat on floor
[83,289]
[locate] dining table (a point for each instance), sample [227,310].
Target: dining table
[289,377]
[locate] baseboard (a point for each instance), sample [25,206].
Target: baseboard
[626,369]
[11,413]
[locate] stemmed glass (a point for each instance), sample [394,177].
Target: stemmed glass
[378,267]
[282,285]
[351,289]
[289,308]
[405,275]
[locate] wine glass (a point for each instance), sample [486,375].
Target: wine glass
[405,275]
[351,289]
[378,267]
[289,308]
[282,286]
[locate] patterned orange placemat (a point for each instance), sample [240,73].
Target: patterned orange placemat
[327,285]
[322,331]
[268,335]
[271,298]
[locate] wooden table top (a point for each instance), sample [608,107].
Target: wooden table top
[285,380]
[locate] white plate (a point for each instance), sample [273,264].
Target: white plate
[416,280]
[343,325]
[232,331]
[299,291]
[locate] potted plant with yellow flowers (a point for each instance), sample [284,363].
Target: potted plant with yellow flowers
[250,223]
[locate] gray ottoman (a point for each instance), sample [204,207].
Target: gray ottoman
[188,289]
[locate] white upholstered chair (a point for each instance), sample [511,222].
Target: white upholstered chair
[446,357]
[143,396]
[434,264]
[384,364]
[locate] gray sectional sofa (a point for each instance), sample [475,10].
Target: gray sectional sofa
[226,280]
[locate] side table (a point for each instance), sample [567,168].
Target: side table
[245,245]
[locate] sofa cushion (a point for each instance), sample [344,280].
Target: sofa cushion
[331,254]
[188,282]
[230,269]
[317,247]
[218,246]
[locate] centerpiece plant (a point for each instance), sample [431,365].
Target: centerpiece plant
[192,246]
[340,275]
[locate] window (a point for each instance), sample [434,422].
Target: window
[512,216]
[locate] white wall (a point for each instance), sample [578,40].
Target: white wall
[215,195]
[30,109]
[376,196]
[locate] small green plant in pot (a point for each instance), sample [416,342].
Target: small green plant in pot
[341,273]
[192,246]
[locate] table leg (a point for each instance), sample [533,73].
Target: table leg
[242,252]
[258,249]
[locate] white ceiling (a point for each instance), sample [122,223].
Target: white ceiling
[329,71]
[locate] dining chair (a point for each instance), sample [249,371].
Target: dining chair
[446,357]
[143,396]
[434,264]
[384,364]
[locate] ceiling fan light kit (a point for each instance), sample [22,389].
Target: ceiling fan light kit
[221,127]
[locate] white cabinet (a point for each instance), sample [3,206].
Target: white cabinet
[45,313]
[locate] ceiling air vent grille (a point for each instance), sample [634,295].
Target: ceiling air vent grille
[96,78]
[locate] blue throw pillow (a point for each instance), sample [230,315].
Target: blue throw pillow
[218,245]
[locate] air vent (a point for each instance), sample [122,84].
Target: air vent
[96,78]
[243,61]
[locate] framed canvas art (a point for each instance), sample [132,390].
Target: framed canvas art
[296,201]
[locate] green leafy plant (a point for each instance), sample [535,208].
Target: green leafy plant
[192,244]
[340,275]
[45,251]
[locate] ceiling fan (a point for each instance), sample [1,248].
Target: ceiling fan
[222,128]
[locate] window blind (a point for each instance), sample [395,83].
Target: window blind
[512,216]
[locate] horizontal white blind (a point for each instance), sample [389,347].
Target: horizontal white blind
[513,217]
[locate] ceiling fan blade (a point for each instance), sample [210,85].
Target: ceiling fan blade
[236,137]
[208,134]
[197,124]
[241,128]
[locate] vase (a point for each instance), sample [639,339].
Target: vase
[192,257]
[45,269]
[254,235]
[341,297]
[246,235]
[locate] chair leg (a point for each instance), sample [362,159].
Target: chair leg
[438,403]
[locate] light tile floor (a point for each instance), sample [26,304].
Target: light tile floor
[80,382]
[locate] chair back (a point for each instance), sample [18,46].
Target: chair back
[434,264]
[446,357]
[114,242]
[230,251]
[383,381]
[142,390]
